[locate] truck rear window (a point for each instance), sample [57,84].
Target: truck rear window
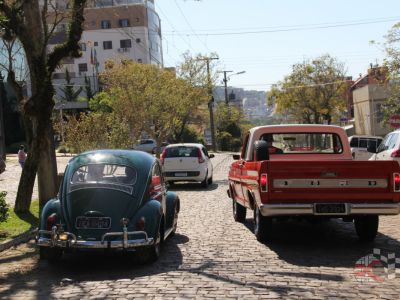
[304,143]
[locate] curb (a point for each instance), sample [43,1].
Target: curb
[19,239]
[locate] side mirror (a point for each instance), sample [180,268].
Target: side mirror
[236,156]
[261,150]
[371,148]
[211,155]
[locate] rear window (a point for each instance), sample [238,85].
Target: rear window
[104,176]
[354,142]
[182,152]
[304,143]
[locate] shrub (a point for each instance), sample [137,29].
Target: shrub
[63,149]
[3,207]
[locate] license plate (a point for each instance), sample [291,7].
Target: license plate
[93,222]
[180,174]
[330,208]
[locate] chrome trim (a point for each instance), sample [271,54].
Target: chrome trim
[73,242]
[308,209]
[330,183]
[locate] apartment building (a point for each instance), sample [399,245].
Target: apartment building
[113,29]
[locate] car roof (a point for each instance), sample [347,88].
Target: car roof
[185,145]
[366,136]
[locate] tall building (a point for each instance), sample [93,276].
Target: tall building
[113,29]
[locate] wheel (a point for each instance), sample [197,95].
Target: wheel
[152,253]
[50,254]
[210,180]
[366,227]
[239,212]
[262,226]
[204,183]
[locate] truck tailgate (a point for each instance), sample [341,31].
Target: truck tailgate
[330,181]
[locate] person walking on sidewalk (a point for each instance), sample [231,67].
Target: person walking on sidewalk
[21,155]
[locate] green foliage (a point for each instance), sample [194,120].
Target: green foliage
[191,135]
[102,102]
[88,88]
[14,147]
[63,149]
[70,95]
[313,93]
[3,207]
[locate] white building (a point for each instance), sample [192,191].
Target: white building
[113,29]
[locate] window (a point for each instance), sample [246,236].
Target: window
[125,43]
[182,151]
[107,45]
[96,44]
[354,142]
[138,41]
[82,68]
[82,46]
[105,24]
[123,23]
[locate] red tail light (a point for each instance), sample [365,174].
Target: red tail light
[155,184]
[51,221]
[263,182]
[141,223]
[162,156]
[395,153]
[396,182]
[201,159]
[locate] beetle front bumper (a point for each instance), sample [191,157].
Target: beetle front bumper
[63,239]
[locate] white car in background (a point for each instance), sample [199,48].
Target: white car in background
[146,145]
[187,162]
[360,143]
[389,149]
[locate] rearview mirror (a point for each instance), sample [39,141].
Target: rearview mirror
[236,156]
[371,148]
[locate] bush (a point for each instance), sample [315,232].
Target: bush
[3,207]
[63,149]
[190,135]
[13,148]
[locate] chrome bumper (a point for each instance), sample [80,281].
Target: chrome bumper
[309,209]
[69,240]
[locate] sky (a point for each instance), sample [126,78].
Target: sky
[265,38]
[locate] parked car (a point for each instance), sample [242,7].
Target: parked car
[360,143]
[109,199]
[163,145]
[187,162]
[389,149]
[2,165]
[146,145]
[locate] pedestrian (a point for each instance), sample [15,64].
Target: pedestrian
[21,155]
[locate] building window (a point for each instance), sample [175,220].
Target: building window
[82,68]
[138,41]
[96,44]
[82,46]
[123,23]
[105,24]
[107,45]
[125,43]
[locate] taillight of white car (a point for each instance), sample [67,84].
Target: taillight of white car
[395,153]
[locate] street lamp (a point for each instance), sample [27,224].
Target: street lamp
[226,79]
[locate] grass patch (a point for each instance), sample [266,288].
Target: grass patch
[19,223]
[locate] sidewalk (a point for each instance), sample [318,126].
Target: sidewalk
[9,180]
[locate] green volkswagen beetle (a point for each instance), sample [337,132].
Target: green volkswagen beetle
[109,199]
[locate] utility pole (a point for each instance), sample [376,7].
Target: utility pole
[226,86]
[211,101]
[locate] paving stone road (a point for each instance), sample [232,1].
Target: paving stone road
[211,256]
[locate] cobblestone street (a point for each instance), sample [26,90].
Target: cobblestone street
[212,256]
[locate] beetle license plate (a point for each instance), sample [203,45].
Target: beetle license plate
[93,223]
[330,208]
[180,174]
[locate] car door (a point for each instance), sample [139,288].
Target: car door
[237,173]
[384,148]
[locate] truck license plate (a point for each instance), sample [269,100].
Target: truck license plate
[330,208]
[93,222]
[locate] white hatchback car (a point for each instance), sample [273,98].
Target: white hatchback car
[187,162]
[360,143]
[389,149]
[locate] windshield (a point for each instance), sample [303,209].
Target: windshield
[304,143]
[104,176]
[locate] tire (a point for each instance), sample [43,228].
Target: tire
[151,253]
[262,226]
[239,212]
[210,180]
[204,183]
[366,227]
[52,255]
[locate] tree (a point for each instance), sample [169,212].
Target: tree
[88,88]
[70,95]
[314,92]
[392,62]
[33,24]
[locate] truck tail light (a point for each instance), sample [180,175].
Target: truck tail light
[201,159]
[396,182]
[51,221]
[162,156]
[395,153]
[263,182]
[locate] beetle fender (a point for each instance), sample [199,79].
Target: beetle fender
[172,201]
[152,212]
[52,206]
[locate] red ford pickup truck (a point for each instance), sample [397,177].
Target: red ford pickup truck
[308,171]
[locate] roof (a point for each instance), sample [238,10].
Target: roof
[185,145]
[297,127]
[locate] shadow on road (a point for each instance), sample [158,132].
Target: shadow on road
[191,186]
[29,218]
[330,244]
[89,266]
